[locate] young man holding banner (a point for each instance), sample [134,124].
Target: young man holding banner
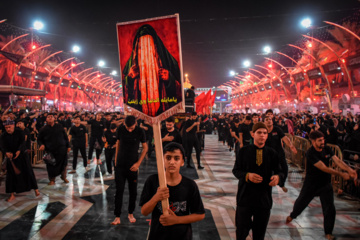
[186,205]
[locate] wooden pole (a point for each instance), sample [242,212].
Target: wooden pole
[160,164]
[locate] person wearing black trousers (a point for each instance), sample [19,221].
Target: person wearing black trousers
[257,168]
[127,163]
[78,136]
[110,139]
[275,137]
[97,131]
[318,181]
[191,127]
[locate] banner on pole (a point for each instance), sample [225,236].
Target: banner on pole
[151,67]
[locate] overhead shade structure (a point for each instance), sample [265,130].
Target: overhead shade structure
[54,80]
[286,80]
[41,76]
[332,68]
[8,89]
[299,77]
[65,83]
[314,73]
[25,72]
[262,88]
[267,86]
[74,85]
[277,84]
[353,62]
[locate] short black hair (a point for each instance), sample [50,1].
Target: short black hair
[194,114]
[130,120]
[77,116]
[172,146]
[255,115]
[192,87]
[248,118]
[113,126]
[315,135]
[269,111]
[170,119]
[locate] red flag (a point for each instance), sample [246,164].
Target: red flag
[199,98]
[213,99]
[206,103]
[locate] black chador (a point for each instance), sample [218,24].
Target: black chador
[56,142]
[24,180]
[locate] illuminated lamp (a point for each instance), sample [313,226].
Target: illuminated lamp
[309,45]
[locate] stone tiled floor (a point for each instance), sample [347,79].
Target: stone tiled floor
[83,209]
[219,187]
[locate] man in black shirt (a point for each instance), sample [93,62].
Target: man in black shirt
[53,138]
[318,181]
[275,136]
[257,168]
[97,131]
[245,136]
[170,134]
[110,139]
[235,133]
[79,136]
[185,201]
[191,127]
[127,163]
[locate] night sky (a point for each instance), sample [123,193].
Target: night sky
[217,36]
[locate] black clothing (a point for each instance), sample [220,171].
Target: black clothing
[97,128]
[121,175]
[245,130]
[251,194]
[274,141]
[111,138]
[315,178]
[254,200]
[258,224]
[317,183]
[129,146]
[78,135]
[326,194]
[127,156]
[56,142]
[25,181]
[175,134]
[184,200]
[76,149]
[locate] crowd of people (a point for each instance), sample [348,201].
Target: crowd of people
[257,139]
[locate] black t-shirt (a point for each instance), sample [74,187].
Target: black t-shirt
[184,200]
[314,176]
[245,130]
[175,134]
[97,128]
[274,140]
[129,145]
[236,130]
[188,124]
[78,134]
[111,138]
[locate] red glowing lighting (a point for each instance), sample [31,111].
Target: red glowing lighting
[73,64]
[343,60]
[33,47]
[304,70]
[270,65]
[98,75]
[310,45]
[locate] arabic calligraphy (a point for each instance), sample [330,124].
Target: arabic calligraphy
[142,102]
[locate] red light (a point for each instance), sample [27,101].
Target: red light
[343,60]
[33,46]
[270,65]
[73,64]
[304,70]
[309,45]
[98,75]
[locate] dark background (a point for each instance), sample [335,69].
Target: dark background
[217,36]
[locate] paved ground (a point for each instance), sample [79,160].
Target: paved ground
[83,209]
